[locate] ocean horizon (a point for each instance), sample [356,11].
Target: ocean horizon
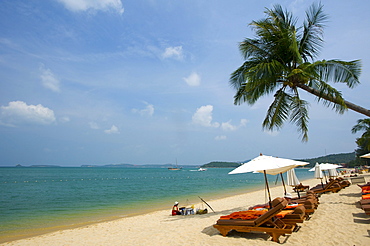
[38,200]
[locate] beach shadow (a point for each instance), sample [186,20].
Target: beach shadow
[358,205]
[361,221]
[211,231]
[361,215]
[351,194]
[362,218]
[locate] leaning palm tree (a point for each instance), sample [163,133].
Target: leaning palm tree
[364,141]
[280,60]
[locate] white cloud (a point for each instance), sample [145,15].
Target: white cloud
[243,122]
[193,79]
[84,5]
[203,117]
[173,52]
[49,80]
[148,111]
[222,137]
[65,119]
[18,112]
[227,126]
[112,130]
[94,125]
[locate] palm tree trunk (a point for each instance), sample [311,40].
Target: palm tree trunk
[349,105]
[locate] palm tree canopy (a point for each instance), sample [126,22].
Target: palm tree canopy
[280,60]
[364,141]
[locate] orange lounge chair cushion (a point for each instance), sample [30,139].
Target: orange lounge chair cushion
[366,196]
[252,215]
[244,215]
[291,206]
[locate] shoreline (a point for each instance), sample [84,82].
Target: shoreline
[158,207]
[138,229]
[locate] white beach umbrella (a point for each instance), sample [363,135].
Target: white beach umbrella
[325,166]
[328,166]
[366,155]
[292,179]
[317,170]
[318,173]
[333,172]
[268,165]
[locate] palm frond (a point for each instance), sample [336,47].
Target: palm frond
[312,41]
[299,115]
[253,48]
[340,71]
[332,97]
[255,79]
[362,125]
[278,111]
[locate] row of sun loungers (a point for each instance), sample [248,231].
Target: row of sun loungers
[267,222]
[365,201]
[334,185]
[282,218]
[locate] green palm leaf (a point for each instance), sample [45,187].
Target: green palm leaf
[279,60]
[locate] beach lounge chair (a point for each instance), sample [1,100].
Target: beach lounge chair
[310,195]
[297,216]
[343,182]
[301,187]
[332,186]
[267,223]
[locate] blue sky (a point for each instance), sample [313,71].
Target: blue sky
[146,82]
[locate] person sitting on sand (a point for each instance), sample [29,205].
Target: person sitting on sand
[175,209]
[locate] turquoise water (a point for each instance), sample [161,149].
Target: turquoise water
[36,200]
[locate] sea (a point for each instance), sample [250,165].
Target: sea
[36,200]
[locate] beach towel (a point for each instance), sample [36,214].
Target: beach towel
[252,214]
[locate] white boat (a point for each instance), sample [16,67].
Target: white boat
[202,169]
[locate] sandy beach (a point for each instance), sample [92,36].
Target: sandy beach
[337,221]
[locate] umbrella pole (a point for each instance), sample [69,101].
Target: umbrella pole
[268,189]
[282,180]
[207,204]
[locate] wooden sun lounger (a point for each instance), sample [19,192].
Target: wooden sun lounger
[301,187]
[265,223]
[332,186]
[298,216]
[364,201]
[310,204]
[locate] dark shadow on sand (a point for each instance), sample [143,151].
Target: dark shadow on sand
[248,236]
[361,218]
[351,194]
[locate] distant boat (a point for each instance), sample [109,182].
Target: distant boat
[175,168]
[202,169]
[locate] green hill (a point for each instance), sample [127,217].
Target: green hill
[343,158]
[219,164]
